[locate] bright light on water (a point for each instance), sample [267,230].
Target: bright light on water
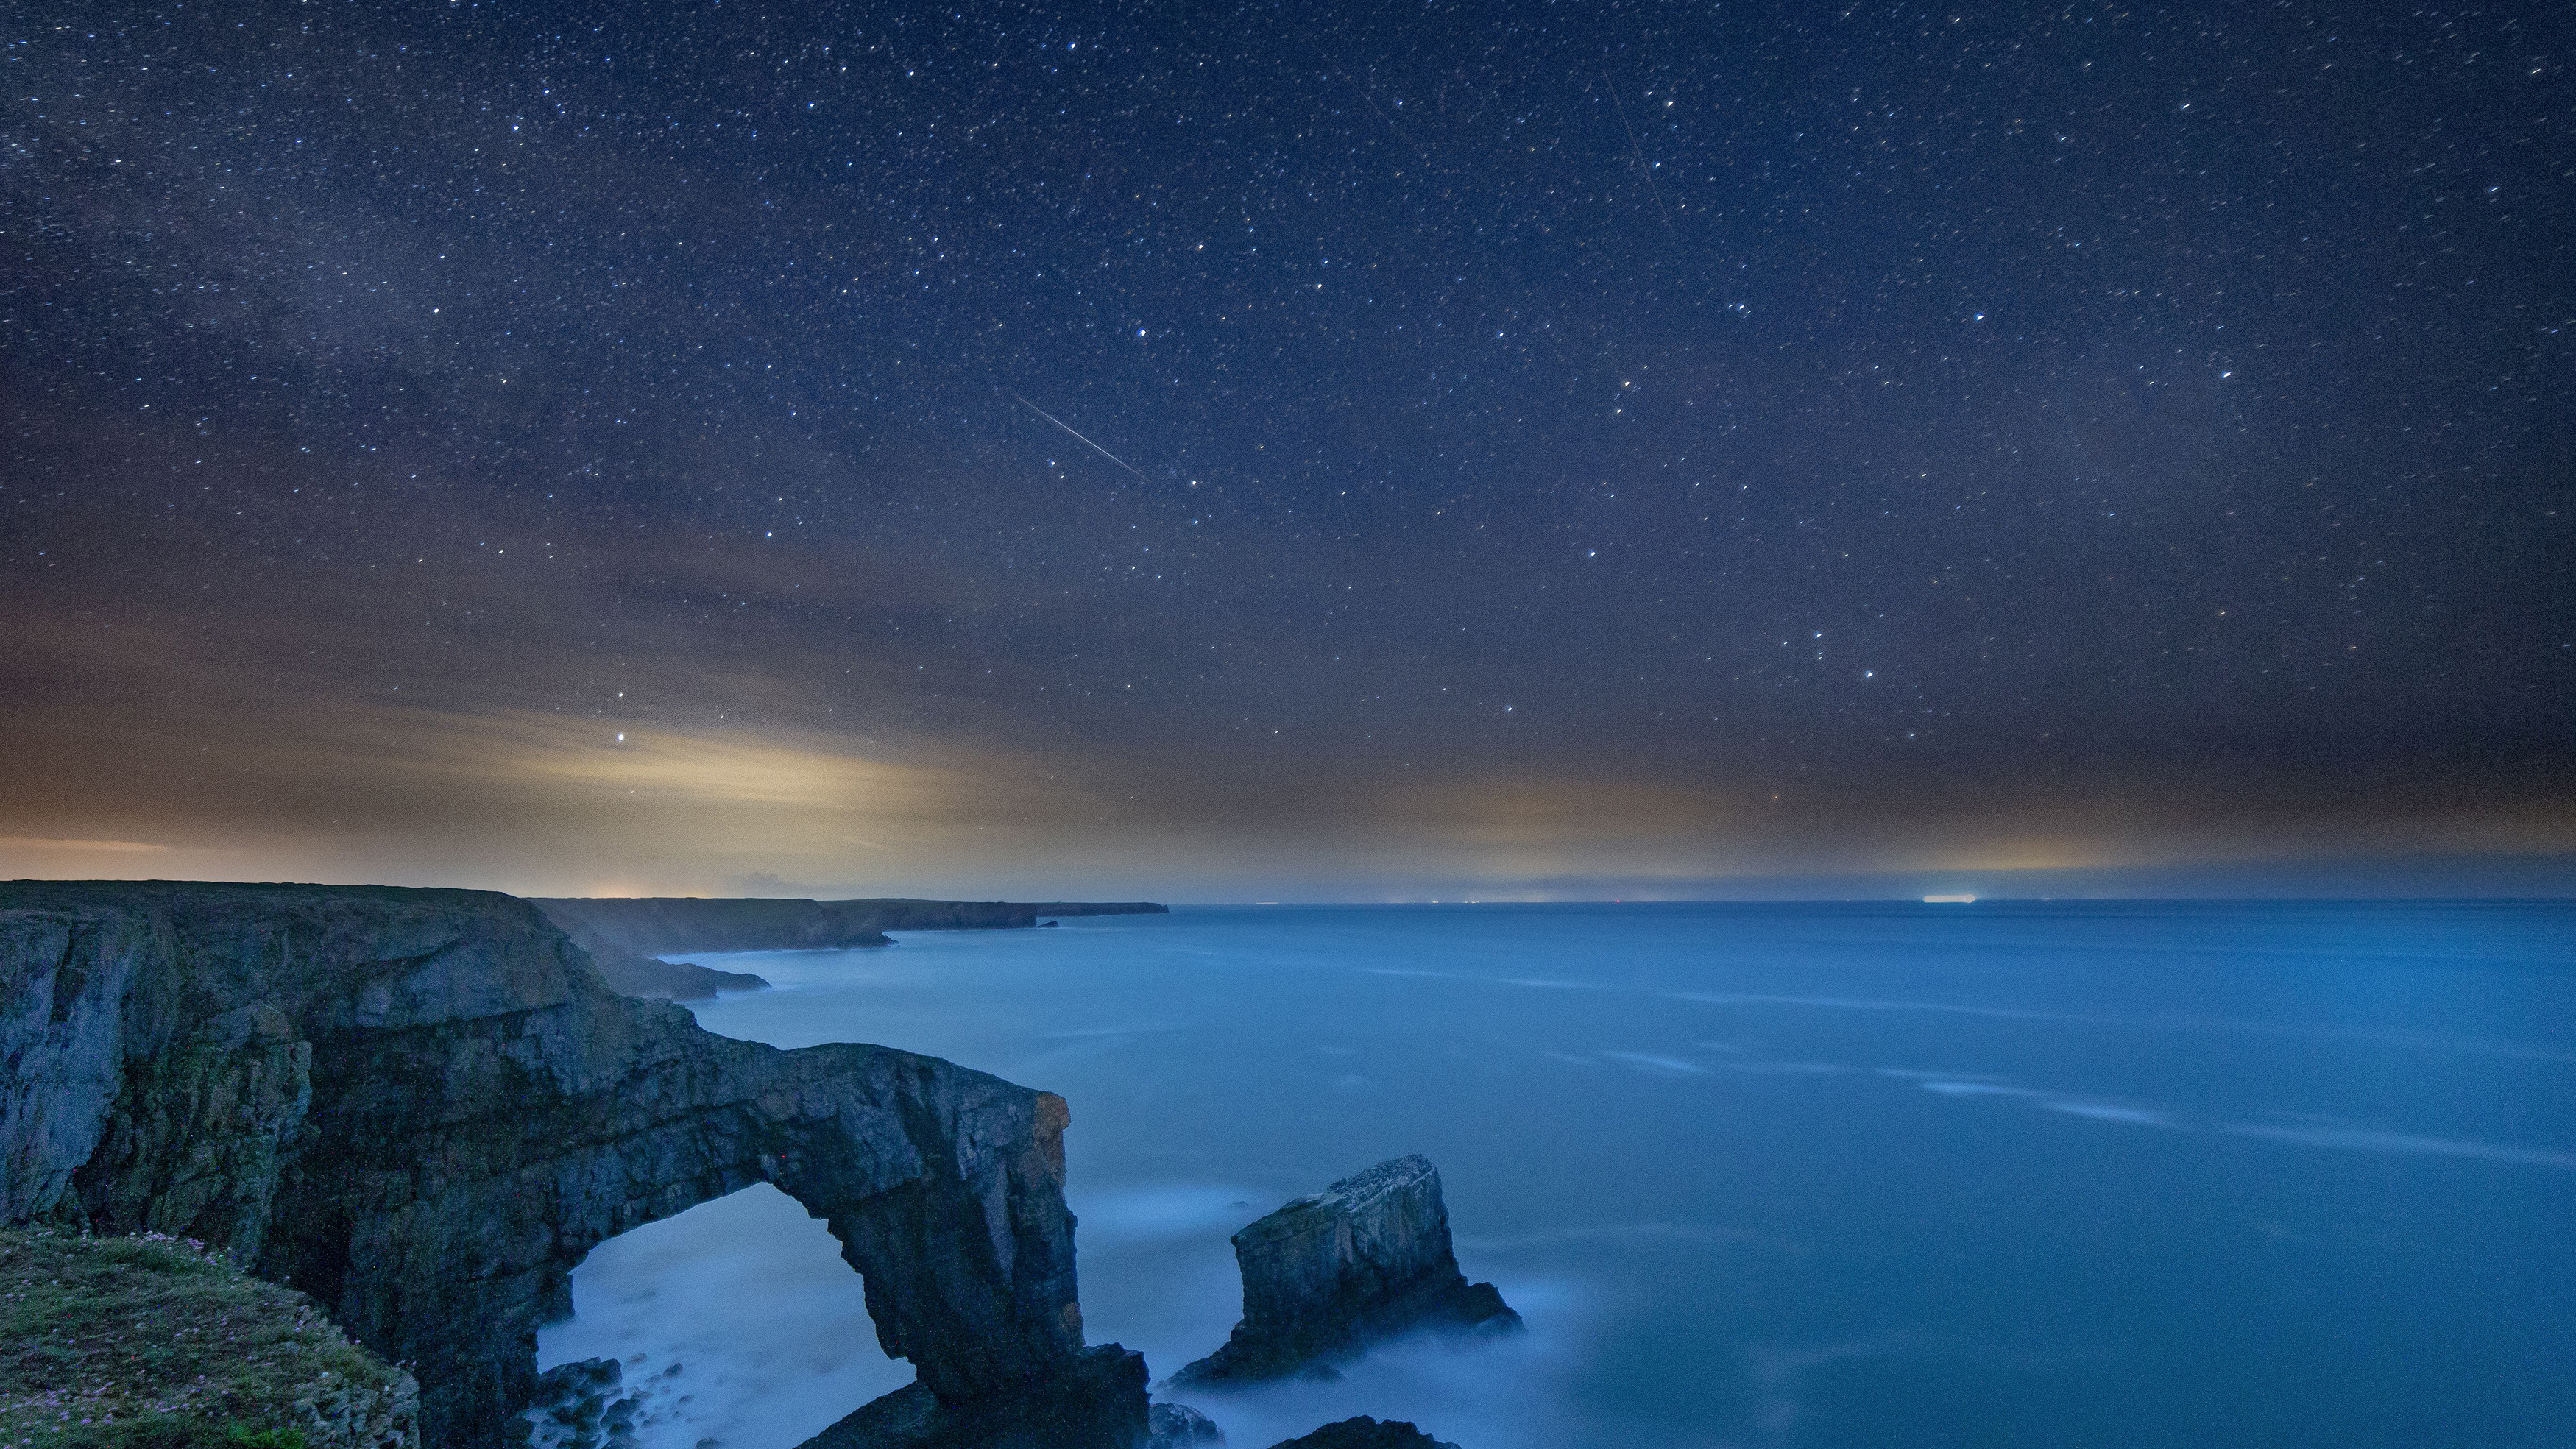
[2068,1174]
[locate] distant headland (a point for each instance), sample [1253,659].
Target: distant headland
[626,934]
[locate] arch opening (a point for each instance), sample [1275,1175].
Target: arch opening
[737,1320]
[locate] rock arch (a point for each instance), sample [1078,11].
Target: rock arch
[423,1108]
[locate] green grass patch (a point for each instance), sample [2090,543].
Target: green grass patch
[156,1343]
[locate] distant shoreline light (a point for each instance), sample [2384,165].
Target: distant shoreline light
[1960,900]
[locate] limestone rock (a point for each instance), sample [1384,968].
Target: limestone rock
[423,1107]
[1365,1433]
[1328,1275]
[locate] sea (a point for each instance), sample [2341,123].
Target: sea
[2047,1174]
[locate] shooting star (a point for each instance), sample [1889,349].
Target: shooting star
[1068,427]
[1643,164]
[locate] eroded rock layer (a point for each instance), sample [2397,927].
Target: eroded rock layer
[422,1107]
[1325,1276]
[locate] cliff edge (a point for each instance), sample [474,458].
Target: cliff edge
[423,1107]
[121,1343]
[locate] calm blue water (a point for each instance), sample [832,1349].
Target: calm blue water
[2046,1174]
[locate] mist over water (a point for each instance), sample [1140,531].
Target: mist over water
[2054,1174]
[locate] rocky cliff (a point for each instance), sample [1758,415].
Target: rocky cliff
[660,925]
[423,1107]
[632,975]
[1324,1277]
[655,925]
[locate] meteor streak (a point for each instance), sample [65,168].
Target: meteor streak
[1643,165]
[1068,427]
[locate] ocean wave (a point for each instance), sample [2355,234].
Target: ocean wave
[2357,1139]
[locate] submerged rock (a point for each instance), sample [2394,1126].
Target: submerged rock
[566,1382]
[1098,1403]
[572,1408]
[1178,1426]
[1328,1275]
[1365,1433]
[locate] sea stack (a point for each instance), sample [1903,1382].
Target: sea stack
[1327,1276]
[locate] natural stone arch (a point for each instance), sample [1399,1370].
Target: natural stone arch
[423,1107]
[942,1186]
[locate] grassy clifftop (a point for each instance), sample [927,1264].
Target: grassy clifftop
[154,1343]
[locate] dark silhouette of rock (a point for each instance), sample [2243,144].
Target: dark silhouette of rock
[423,1107]
[567,1382]
[1365,1433]
[1096,1403]
[1328,1275]
[575,1403]
[1178,1426]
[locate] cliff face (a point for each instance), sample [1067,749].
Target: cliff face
[1325,1276]
[422,1107]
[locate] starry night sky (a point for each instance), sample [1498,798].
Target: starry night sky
[1244,451]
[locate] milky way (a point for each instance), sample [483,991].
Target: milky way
[1283,448]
